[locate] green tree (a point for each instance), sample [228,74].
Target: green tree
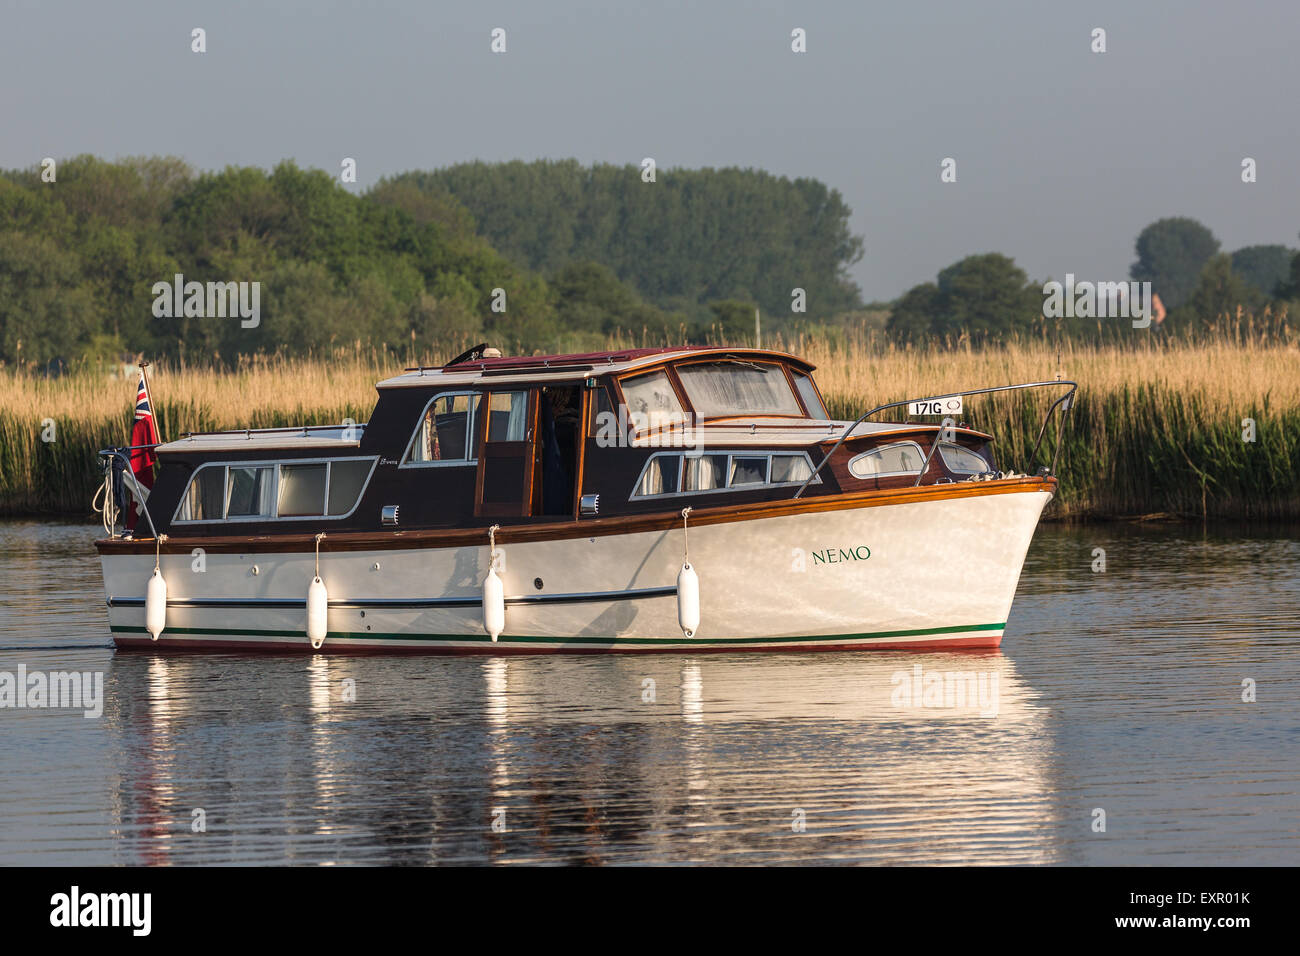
[590,298]
[733,321]
[690,238]
[1264,267]
[986,296]
[47,308]
[1219,292]
[1170,255]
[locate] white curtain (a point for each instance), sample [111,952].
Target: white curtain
[704,472]
[518,415]
[652,482]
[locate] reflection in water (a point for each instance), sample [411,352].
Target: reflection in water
[542,758]
[1118,690]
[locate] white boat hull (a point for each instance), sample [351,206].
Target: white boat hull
[936,572]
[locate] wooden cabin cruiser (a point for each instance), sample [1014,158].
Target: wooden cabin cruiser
[682,500]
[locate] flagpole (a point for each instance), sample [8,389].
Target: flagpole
[153,409]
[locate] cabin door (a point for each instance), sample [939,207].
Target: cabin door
[505,435]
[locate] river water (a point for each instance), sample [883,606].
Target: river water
[1116,699]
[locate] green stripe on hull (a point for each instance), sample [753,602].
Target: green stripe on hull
[515,639]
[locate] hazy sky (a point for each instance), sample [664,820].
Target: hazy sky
[1063,155]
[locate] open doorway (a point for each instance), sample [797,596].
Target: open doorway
[559,424]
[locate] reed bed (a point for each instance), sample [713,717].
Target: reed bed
[1156,431]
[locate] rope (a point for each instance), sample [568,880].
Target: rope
[492,545]
[108,512]
[318,541]
[686,541]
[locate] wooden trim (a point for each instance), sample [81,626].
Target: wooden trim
[679,387]
[718,354]
[480,426]
[594,527]
[794,390]
[584,414]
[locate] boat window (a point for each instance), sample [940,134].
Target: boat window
[660,476]
[206,497]
[900,458]
[250,491]
[347,478]
[507,416]
[651,400]
[748,471]
[270,491]
[444,429]
[703,473]
[302,490]
[718,389]
[808,392]
[961,460]
[787,469]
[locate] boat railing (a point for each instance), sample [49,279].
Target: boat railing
[305,430]
[1063,404]
[142,496]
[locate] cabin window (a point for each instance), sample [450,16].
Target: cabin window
[669,473]
[270,491]
[660,476]
[900,458]
[507,416]
[302,490]
[962,461]
[347,479]
[808,392]
[748,471]
[205,499]
[444,430]
[787,469]
[704,473]
[651,400]
[250,491]
[721,389]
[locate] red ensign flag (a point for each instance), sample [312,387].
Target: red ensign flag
[143,432]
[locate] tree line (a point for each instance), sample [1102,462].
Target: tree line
[987,297]
[530,256]
[548,255]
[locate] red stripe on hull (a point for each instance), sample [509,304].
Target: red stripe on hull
[979,642]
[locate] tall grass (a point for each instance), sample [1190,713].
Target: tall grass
[1156,430]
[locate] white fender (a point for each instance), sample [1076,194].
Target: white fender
[688,600]
[494,604]
[317,612]
[155,605]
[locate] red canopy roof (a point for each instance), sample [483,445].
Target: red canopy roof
[581,358]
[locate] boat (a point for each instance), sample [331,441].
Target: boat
[680,500]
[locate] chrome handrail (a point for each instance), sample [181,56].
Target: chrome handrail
[359,426]
[1067,398]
